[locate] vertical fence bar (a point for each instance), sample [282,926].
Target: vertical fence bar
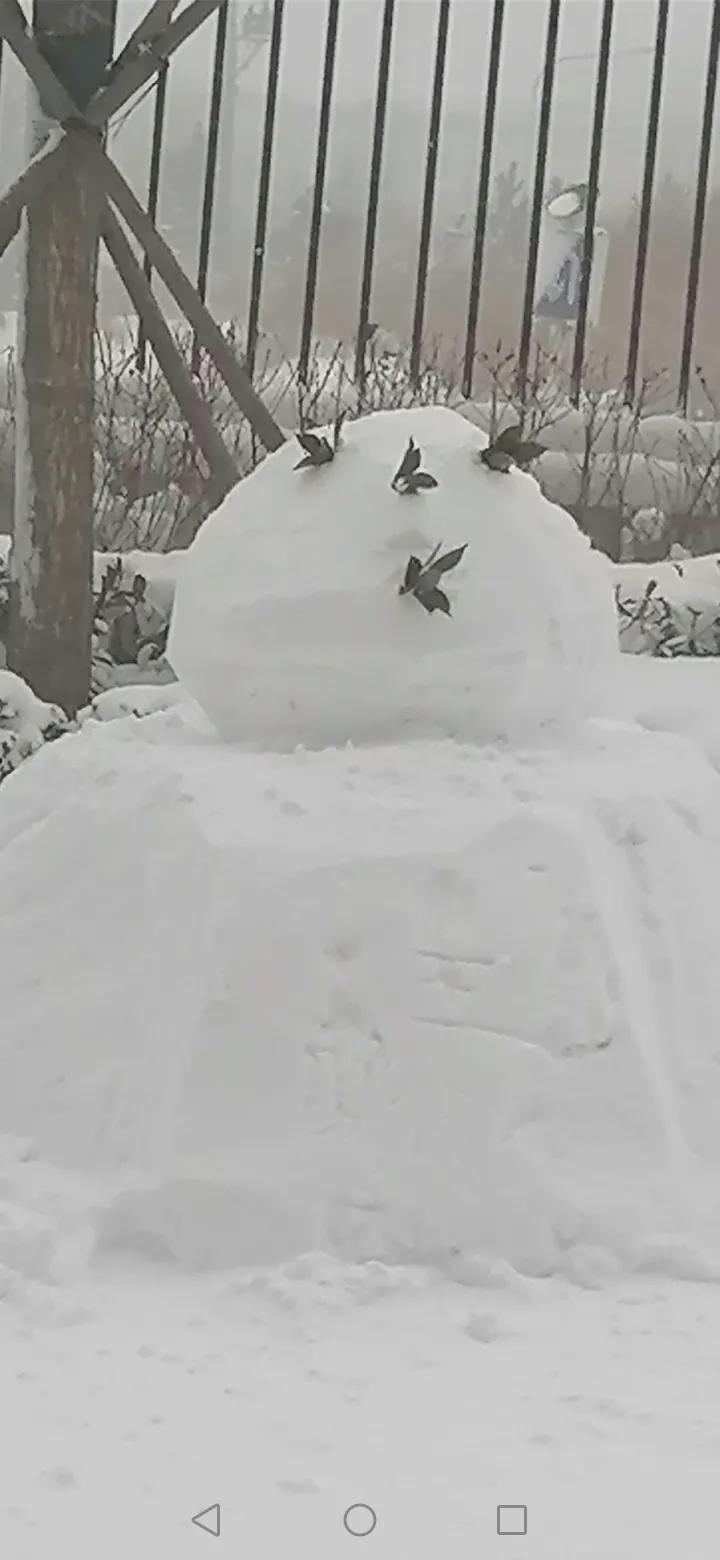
[601,86]
[154,186]
[478,254]
[429,193]
[263,202]
[374,190]
[700,208]
[211,159]
[646,199]
[538,195]
[319,189]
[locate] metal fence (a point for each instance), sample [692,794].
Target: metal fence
[262,29]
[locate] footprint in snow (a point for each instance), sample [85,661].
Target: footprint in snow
[482,1326]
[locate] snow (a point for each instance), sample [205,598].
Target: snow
[620,480]
[159,569]
[359,1103]
[491,960]
[137,699]
[287,626]
[692,582]
[291,1395]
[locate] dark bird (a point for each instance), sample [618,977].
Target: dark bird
[422,579]
[510,449]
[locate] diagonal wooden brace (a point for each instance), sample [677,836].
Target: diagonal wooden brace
[30,183]
[147,31]
[188,299]
[56,101]
[58,104]
[222,467]
[141,68]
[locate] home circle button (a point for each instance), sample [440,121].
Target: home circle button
[360,1520]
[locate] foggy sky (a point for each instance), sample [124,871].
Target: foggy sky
[413,54]
[526,20]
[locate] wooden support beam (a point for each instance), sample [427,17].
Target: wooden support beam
[147,31]
[55,100]
[178,284]
[222,467]
[146,65]
[58,105]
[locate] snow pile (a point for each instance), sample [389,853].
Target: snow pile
[25,722]
[430,1001]
[416,1003]
[287,625]
[681,696]
[138,699]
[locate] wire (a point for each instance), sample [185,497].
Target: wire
[117,124]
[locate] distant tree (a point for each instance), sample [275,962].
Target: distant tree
[508,215]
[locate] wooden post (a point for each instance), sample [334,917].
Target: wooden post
[51,603]
[60,104]
[221,465]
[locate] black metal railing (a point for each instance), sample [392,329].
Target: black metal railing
[262,32]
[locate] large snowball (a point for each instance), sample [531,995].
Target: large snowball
[288,627]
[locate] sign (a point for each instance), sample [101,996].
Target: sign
[560,297]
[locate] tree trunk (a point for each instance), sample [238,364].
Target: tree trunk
[52,555]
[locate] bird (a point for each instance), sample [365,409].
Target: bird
[569,202]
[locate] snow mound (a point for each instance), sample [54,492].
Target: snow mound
[411,1004]
[288,627]
[138,699]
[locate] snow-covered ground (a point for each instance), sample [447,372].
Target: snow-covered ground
[360,1102]
[289,1396]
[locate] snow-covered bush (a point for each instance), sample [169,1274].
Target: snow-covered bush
[290,623]
[669,608]
[645,535]
[131,619]
[26,723]
[130,631]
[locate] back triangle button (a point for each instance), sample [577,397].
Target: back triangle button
[209,1521]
